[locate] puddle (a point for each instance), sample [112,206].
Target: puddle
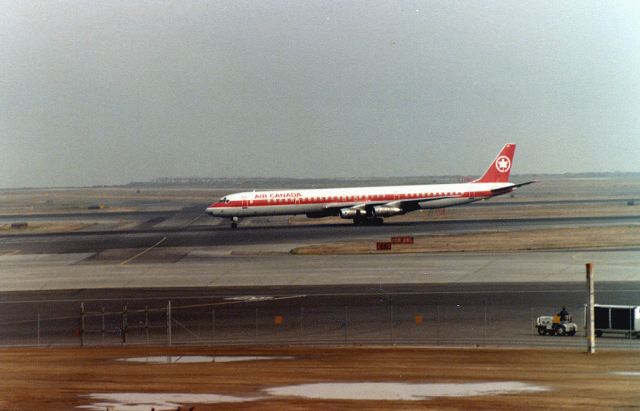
[186,359]
[400,391]
[131,401]
[391,391]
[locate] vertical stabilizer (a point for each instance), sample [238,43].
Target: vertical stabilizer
[500,169]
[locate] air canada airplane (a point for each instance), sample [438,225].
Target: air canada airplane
[369,205]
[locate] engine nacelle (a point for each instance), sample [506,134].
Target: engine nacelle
[386,211]
[352,213]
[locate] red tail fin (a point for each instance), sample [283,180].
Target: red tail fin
[499,170]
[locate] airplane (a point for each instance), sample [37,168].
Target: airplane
[369,205]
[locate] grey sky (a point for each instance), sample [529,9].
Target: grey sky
[108,92]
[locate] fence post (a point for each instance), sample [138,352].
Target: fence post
[124,324]
[81,324]
[391,328]
[533,333]
[346,323]
[38,330]
[169,336]
[213,323]
[485,322]
[437,324]
[146,322]
[256,329]
[301,323]
[102,329]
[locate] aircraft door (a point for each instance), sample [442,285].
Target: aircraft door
[245,202]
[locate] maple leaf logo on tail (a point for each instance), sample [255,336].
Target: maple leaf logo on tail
[503,164]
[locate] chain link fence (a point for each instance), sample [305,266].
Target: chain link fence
[286,321]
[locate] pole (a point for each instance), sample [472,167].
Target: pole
[591,334]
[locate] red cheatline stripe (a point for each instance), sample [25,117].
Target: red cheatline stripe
[348,199]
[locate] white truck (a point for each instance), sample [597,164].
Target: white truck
[553,325]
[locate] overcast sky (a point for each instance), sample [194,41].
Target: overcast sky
[106,92]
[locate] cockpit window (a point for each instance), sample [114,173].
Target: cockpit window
[224,200]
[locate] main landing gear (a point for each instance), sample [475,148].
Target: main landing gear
[234,222]
[368,221]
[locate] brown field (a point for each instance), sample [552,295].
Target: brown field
[43,201]
[60,379]
[49,227]
[511,240]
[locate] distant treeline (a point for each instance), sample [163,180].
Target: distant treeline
[259,182]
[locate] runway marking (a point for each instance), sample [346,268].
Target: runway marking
[144,251]
[195,219]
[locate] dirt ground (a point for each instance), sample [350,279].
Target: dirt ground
[511,240]
[48,227]
[109,199]
[61,378]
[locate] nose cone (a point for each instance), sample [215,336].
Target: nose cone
[215,208]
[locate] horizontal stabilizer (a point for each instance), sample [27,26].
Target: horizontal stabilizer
[498,191]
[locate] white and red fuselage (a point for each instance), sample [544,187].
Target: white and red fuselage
[364,204]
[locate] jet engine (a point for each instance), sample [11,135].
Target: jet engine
[352,213]
[386,211]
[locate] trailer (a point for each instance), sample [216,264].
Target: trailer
[617,319]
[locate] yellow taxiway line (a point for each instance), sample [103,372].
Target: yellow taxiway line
[144,251]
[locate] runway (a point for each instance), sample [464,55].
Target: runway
[262,231]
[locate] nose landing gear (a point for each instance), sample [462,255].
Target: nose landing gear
[234,222]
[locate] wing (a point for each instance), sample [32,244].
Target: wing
[406,205]
[412,204]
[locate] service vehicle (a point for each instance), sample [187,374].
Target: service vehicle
[617,319]
[553,325]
